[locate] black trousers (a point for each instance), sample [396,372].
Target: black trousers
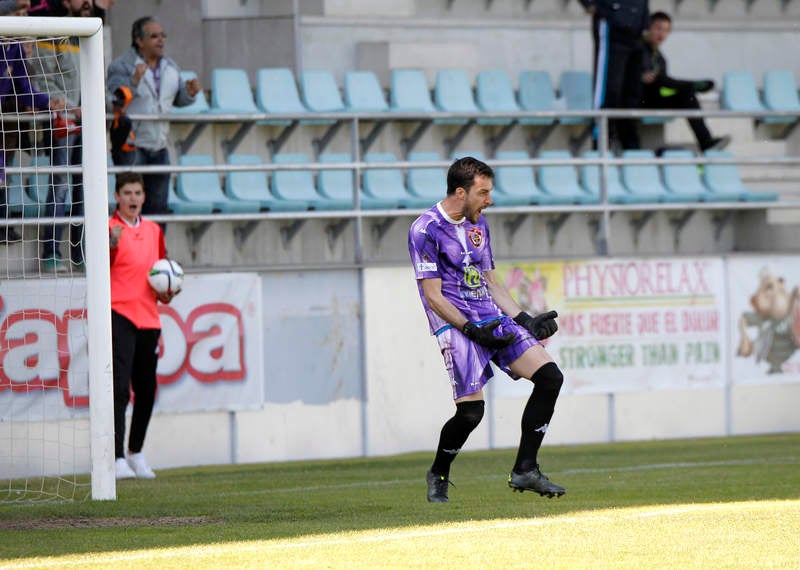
[135,354]
[618,79]
[677,94]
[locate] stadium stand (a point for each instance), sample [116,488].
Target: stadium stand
[409,91]
[298,185]
[724,178]
[387,183]
[616,192]
[516,185]
[363,93]
[200,104]
[276,92]
[780,94]
[320,93]
[231,92]
[251,186]
[576,90]
[338,184]
[205,187]
[739,92]
[536,93]
[561,181]
[643,180]
[20,202]
[428,183]
[683,182]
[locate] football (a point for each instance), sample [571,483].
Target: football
[166,276]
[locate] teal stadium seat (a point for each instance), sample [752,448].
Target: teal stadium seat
[409,92]
[642,180]
[516,185]
[276,92]
[739,92]
[231,92]
[363,93]
[112,182]
[576,90]
[320,93]
[494,93]
[20,202]
[39,182]
[724,179]
[590,180]
[780,94]
[204,187]
[338,184]
[452,93]
[252,186]
[200,104]
[536,93]
[299,185]
[387,183]
[178,205]
[429,183]
[561,181]
[684,184]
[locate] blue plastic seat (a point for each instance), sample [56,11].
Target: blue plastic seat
[683,182]
[561,181]
[409,92]
[299,185]
[576,89]
[452,93]
[590,180]
[362,92]
[429,183]
[495,94]
[252,186]
[19,201]
[724,179]
[178,205]
[643,180]
[780,94]
[231,92]
[338,184]
[276,92]
[204,187]
[320,93]
[739,92]
[387,183]
[200,104]
[536,93]
[516,185]
[112,183]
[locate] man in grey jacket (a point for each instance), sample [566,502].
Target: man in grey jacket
[156,84]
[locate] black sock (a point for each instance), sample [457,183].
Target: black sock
[455,433]
[536,417]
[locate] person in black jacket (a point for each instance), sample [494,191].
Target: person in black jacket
[664,92]
[617,28]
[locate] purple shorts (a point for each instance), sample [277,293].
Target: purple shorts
[468,363]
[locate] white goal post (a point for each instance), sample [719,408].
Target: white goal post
[95,220]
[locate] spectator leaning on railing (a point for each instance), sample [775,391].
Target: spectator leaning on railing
[155,82]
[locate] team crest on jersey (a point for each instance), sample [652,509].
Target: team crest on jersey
[475,236]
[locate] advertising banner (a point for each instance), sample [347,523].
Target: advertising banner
[628,324]
[209,351]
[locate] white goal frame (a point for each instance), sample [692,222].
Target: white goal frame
[95,183]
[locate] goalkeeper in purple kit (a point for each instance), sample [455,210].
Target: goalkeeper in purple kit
[476,322]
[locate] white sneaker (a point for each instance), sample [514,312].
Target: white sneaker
[123,470]
[140,467]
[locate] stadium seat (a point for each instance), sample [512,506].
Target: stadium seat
[536,93]
[387,183]
[200,104]
[299,185]
[576,90]
[39,182]
[642,180]
[739,92]
[320,93]
[561,181]
[204,187]
[178,205]
[409,92]
[516,185]
[429,183]
[112,182]
[231,92]
[338,184]
[276,92]
[780,94]
[363,93]
[252,186]
[617,193]
[495,94]
[20,202]
[724,179]
[452,93]
[683,182]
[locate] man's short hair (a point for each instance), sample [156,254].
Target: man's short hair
[124,178]
[137,29]
[463,171]
[656,16]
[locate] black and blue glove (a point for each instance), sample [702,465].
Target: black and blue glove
[541,326]
[484,335]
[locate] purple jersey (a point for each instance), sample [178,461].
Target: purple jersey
[457,252]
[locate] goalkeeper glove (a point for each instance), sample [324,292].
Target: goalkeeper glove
[541,326]
[484,337]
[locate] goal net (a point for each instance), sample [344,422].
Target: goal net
[55,331]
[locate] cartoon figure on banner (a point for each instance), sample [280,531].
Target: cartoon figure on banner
[776,314]
[528,290]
